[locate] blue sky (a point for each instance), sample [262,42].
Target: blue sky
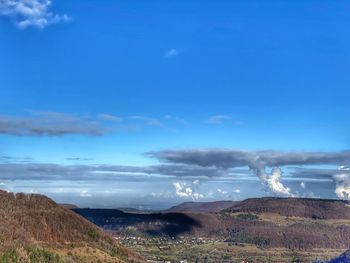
[249,75]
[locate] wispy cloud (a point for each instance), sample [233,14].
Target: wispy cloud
[109,117]
[47,171]
[31,13]
[174,118]
[85,193]
[50,124]
[147,120]
[78,159]
[220,119]
[171,53]
[222,192]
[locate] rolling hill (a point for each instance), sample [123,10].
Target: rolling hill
[33,228]
[201,207]
[295,207]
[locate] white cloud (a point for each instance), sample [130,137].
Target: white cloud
[156,194]
[274,182]
[33,191]
[85,193]
[165,194]
[171,53]
[344,168]
[220,119]
[342,180]
[185,191]
[342,188]
[174,118]
[196,182]
[109,117]
[302,185]
[237,191]
[31,13]
[343,191]
[222,191]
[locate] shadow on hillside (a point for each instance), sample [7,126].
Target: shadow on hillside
[171,224]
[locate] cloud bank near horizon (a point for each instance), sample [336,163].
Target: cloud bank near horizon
[201,165]
[259,161]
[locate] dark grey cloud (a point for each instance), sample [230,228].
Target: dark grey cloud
[313,173]
[55,172]
[78,159]
[44,171]
[188,171]
[227,158]
[12,159]
[43,123]
[256,161]
[50,124]
[7,158]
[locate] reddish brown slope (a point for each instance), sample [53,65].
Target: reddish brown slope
[295,207]
[37,220]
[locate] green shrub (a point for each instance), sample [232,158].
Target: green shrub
[10,256]
[248,216]
[40,255]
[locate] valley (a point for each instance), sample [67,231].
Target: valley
[33,228]
[254,230]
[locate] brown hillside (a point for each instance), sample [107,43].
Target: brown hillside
[295,207]
[35,220]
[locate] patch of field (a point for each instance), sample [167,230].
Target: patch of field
[289,220]
[282,220]
[224,252]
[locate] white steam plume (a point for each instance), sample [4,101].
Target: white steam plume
[342,182]
[273,181]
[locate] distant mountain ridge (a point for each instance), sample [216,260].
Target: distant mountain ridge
[201,207]
[295,207]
